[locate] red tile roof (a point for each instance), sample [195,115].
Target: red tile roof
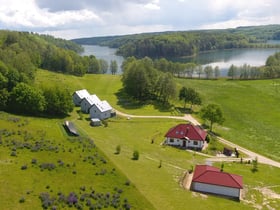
[212,175]
[188,131]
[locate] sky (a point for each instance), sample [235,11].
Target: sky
[70,19]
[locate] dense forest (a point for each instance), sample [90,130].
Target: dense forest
[21,54]
[187,43]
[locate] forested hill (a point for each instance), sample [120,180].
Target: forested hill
[21,54]
[186,43]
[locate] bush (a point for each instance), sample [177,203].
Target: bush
[22,200]
[24,167]
[118,150]
[135,155]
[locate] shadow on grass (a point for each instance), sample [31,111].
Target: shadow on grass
[127,102]
[39,115]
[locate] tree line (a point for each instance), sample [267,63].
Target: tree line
[144,82]
[21,54]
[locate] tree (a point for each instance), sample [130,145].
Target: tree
[103,66]
[212,113]
[58,101]
[167,87]
[114,67]
[93,65]
[135,155]
[255,165]
[4,97]
[217,72]
[140,79]
[232,72]
[190,67]
[189,95]
[26,99]
[199,70]
[208,72]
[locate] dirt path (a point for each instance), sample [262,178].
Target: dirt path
[188,117]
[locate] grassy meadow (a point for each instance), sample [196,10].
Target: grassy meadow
[251,110]
[31,146]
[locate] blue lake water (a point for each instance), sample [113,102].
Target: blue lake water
[105,53]
[221,58]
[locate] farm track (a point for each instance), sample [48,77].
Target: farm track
[251,155]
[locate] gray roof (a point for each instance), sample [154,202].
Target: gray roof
[82,93]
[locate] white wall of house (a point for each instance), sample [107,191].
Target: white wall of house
[85,106]
[215,189]
[188,143]
[195,144]
[96,113]
[174,142]
[76,99]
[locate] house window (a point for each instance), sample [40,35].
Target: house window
[171,140]
[195,143]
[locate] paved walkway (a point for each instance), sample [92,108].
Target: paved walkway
[252,155]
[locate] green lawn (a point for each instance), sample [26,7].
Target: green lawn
[152,187]
[78,166]
[251,110]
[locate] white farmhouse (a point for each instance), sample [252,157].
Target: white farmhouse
[79,95]
[209,179]
[101,110]
[186,136]
[88,102]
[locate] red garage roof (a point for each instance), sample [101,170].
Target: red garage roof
[188,131]
[212,175]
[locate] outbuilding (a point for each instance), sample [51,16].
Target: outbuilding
[95,122]
[70,127]
[209,179]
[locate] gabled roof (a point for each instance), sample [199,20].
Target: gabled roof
[212,175]
[103,106]
[187,131]
[82,93]
[92,99]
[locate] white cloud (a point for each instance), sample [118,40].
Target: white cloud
[71,19]
[18,13]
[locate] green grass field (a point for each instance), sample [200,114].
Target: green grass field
[251,109]
[154,178]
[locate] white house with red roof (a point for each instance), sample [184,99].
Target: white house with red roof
[209,179]
[186,136]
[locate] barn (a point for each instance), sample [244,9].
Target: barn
[209,179]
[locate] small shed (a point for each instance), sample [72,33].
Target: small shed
[70,127]
[95,122]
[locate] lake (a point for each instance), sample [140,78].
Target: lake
[221,58]
[225,58]
[105,53]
